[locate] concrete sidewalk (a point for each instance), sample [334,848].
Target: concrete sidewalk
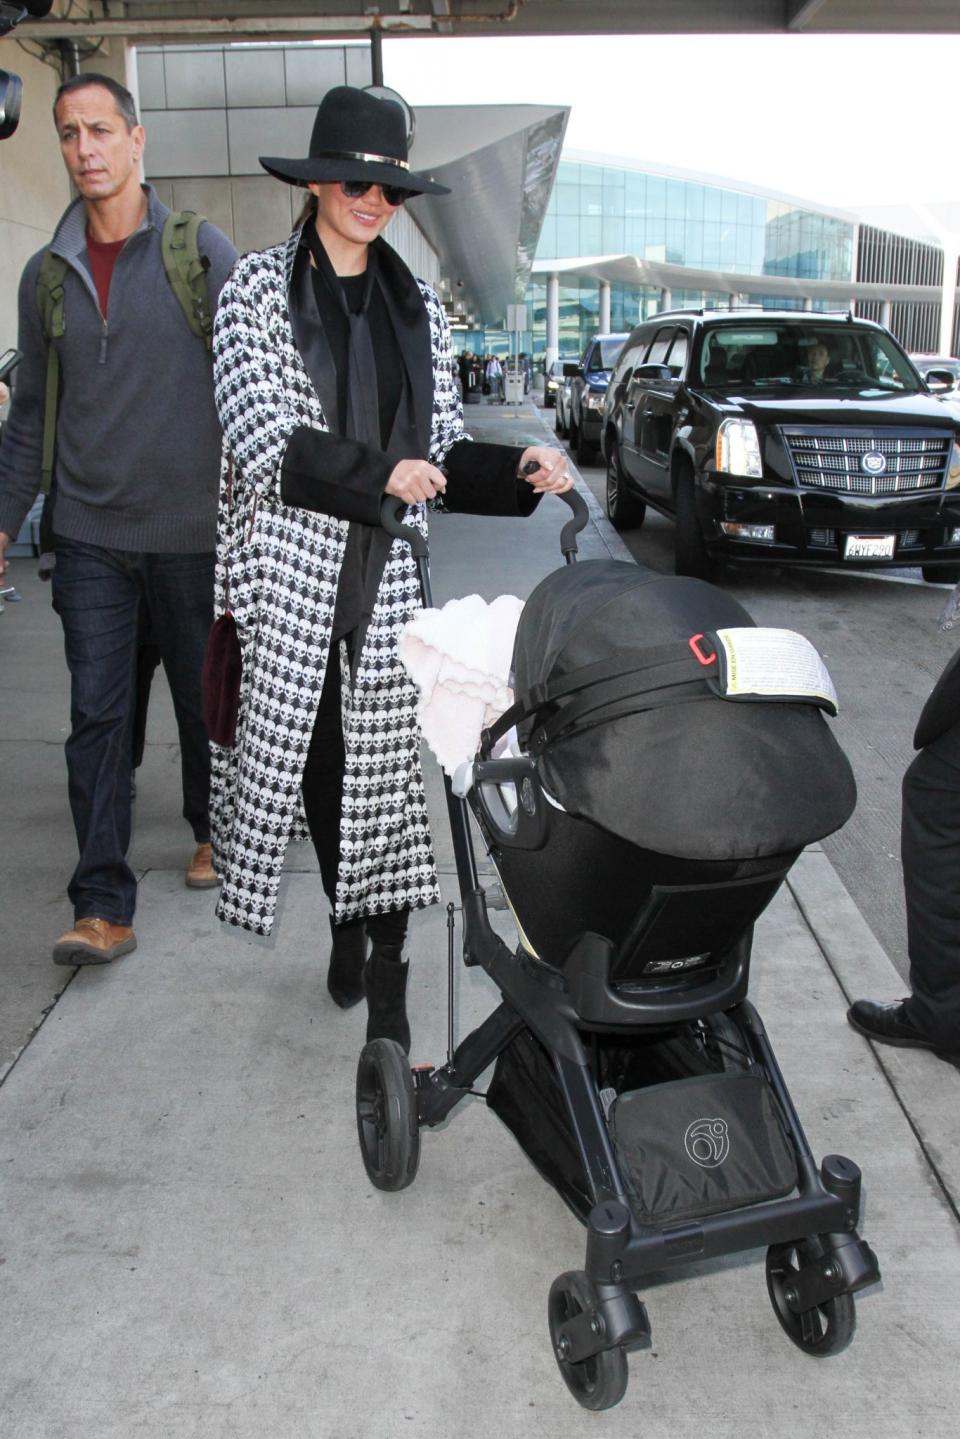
[189,1245]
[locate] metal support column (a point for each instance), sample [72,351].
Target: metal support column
[553,320]
[376,55]
[604,307]
[948,298]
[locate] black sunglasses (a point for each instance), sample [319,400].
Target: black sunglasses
[393,194]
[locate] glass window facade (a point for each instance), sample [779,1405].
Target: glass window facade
[599,210]
[596,210]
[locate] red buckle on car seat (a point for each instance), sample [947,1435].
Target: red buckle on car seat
[694,643]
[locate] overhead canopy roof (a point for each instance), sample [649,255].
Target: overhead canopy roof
[637,273]
[499,164]
[171,20]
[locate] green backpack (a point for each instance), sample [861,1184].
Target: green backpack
[187,272]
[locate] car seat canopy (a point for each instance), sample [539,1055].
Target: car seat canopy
[684,771]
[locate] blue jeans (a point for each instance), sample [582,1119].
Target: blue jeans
[105,598]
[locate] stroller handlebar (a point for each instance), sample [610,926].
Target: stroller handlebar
[392,510]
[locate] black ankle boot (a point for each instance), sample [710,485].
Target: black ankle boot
[347,956]
[385,977]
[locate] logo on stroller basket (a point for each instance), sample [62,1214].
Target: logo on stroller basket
[707,1142]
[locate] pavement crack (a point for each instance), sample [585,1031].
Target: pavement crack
[44,1016]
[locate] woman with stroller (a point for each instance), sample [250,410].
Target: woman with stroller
[335,388]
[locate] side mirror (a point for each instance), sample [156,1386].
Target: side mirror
[939,381]
[570,372]
[652,372]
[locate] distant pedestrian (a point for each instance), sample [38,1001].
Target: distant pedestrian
[494,378]
[463,373]
[929,1017]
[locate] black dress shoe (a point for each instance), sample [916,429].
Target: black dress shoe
[890,1024]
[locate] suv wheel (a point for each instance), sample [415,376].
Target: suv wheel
[624,510]
[690,552]
[558,424]
[583,451]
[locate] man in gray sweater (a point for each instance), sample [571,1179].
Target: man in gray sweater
[135,493]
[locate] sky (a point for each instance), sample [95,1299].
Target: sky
[846,121]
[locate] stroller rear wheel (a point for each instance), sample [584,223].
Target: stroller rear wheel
[387,1115]
[823,1330]
[599,1381]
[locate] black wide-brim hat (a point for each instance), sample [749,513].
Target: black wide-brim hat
[356,136]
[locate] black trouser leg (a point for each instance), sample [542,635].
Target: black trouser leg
[323,778]
[930,849]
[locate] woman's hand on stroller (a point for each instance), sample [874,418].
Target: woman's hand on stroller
[415,480]
[545,468]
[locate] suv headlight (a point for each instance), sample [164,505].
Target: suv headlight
[738,449]
[953,474]
[594,401]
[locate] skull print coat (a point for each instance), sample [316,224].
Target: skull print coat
[277,572]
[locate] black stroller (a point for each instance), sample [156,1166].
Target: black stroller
[644,828]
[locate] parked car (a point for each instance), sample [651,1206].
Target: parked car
[928,364]
[583,416]
[552,380]
[783,436]
[561,420]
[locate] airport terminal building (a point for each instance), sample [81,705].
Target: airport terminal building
[621,241]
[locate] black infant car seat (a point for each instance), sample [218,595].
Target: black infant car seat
[661,817]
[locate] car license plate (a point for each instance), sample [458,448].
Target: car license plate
[869,547]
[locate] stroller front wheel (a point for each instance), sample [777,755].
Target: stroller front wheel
[387,1115]
[600,1380]
[829,1326]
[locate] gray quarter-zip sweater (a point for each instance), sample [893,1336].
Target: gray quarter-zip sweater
[138,439]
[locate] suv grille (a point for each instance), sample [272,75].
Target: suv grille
[832,460]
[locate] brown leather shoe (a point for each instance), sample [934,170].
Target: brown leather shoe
[94,941]
[200,871]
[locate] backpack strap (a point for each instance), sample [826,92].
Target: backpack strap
[50,278]
[187,270]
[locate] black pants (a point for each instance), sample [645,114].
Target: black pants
[322,801]
[930,849]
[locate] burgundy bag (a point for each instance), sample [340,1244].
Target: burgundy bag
[220,681]
[222,665]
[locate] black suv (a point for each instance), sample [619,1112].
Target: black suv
[783,436]
[588,388]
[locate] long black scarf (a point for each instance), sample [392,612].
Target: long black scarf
[362,411]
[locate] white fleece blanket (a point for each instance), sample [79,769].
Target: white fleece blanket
[459,658]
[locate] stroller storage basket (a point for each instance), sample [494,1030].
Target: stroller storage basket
[701,1146]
